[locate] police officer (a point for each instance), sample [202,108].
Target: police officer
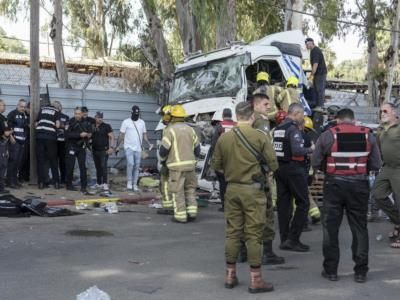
[64,120]
[224,126]
[291,179]
[166,196]
[273,91]
[3,119]
[179,149]
[18,122]
[346,153]
[388,179]
[89,123]
[4,144]
[77,136]
[46,144]
[245,206]
[289,95]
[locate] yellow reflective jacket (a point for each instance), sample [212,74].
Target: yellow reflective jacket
[181,140]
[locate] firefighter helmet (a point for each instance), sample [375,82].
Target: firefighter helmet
[292,81]
[178,111]
[308,123]
[263,76]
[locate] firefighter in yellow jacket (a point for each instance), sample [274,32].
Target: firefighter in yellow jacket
[179,149]
[272,91]
[289,95]
[166,196]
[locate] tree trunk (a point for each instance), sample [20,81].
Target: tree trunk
[56,36]
[35,85]
[157,34]
[391,56]
[188,30]
[226,22]
[372,53]
[293,20]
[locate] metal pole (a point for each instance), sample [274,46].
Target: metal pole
[35,84]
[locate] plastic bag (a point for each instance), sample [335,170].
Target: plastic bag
[93,293]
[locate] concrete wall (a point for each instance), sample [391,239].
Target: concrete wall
[116,107]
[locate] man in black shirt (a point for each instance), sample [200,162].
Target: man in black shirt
[89,123]
[17,121]
[76,135]
[318,72]
[64,119]
[102,146]
[46,144]
[3,119]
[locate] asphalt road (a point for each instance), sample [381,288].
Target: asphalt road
[145,256]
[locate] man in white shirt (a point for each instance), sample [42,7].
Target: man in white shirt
[133,132]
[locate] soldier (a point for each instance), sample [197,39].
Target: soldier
[166,196]
[387,181]
[291,179]
[238,154]
[289,95]
[179,149]
[346,152]
[261,105]
[272,92]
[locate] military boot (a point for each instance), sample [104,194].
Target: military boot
[230,276]
[257,284]
[242,257]
[269,257]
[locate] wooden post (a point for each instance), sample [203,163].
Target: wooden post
[35,84]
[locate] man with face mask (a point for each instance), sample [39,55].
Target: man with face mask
[132,133]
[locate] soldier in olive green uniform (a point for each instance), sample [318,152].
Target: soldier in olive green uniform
[388,180]
[245,195]
[289,95]
[260,104]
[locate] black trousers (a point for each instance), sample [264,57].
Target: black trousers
[25,164]
[100,161]
[16,152]
[3,170]
[291,181]
[61,160]
[222,187]
[80,154]
[46,150]
[351,196]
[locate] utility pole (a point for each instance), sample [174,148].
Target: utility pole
[35,84]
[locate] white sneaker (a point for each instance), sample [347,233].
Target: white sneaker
[95,186]
[129,186]
[135,188]
[105,187]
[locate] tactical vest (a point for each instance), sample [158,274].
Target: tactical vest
[46,126]
[350,150]
[282,144]
[227,125]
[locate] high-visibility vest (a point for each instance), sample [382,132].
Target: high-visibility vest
[282,143]
[181,141]
[350,150]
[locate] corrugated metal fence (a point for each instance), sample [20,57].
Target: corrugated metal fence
[116,107]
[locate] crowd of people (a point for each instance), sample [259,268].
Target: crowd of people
[60,140]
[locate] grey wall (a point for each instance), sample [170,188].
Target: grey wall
[116,107]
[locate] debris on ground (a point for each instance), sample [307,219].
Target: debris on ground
[149,182]
[93,293]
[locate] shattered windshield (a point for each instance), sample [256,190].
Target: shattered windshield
[216,78]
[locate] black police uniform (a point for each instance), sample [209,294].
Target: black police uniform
[76,148]
[4,144]
[291,181]
[18,122]
[346,153]
[46,144]
[64,119]
[100,145]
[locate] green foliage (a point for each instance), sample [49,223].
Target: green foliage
[351,70]
[9,45]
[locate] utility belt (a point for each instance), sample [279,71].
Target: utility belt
[349,178]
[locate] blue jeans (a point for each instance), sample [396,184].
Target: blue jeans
[132,165]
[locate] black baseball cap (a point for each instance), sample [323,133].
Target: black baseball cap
[309,40]
[135,110]
[84,109]
[99,114]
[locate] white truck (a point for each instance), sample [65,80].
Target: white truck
[205,84]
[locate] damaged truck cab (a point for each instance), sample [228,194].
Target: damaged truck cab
[205,84]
